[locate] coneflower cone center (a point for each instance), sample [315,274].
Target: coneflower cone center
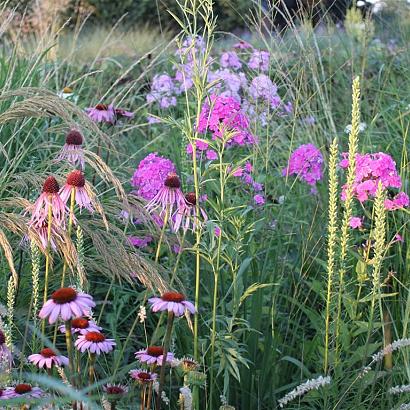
[2,338]
[50,185]
[172,181]
[76,178]
[155,351]
[74,138]
[191,198]
[114,390]
[173,297]
[67,90]
[23,388]
[101,107]
[95,337]
[144,376]
[80,323]
[47,352]
[1,392]
[64,295]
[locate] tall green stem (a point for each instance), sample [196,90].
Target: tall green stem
[69,229]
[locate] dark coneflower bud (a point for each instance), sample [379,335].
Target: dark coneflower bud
[74,137]
[101,107]
[51,186]
[23,388]
[2,338]
[191,198]
[76,178]
[172,181]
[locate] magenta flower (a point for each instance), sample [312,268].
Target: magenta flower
[5,354]
[398,238]
[188,214]
[75,180]
[81,325]
[94,342]
[306,163]
[355,222]
[150,175]
[169,198]
[217,231]
[24,390]
[41,232]
[259,60]
[47,358]
[142,376]
[102,113]
[259,199]
[172,302]
[401,200]
[48,198]
[242,45]
[6,394]
[67,304]
[140,242]
[153,355]
[72,150]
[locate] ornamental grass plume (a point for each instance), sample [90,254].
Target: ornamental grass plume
[75,186]
[72,150]
[66,304]
[172,302]
[47,358]
[48,202]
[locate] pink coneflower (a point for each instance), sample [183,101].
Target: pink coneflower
[25,390]
[101,113]
[72,150]
[6,394]
[66,303]
[142,376]
[94,342]
[75,180]
[188,214]
[81,325]
[172,302]
[120,113]
[115,391]
[41,232]
[169,198]
[5,354]
[153,355]
[47,358]
[48,198]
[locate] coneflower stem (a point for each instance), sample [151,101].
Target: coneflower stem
[69,345]
[161,237]
[167,341]
[47,268]
[143,389]
[91,369]
[70,226]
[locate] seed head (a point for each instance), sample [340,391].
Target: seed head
[172,181]
[76,178]
[155,351]
[191,198]
[64,295]
[47,352]
[23,388]
[74,137]
[173,297]
[51,186]
[95,337]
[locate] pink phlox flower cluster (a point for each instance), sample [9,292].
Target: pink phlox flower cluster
[370,170]
[259,60]
[229,59]
[306,162]
[150,175]
[202,148]
[222,115]
[245,175]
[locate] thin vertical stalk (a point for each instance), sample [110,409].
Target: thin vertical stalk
[167,341]
[48,250]
[70,353]
[161,237]
[69,229]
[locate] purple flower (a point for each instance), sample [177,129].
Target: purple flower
[47,358]
[263,88]
[6,356]
[306,163]
[94,342]
[81,325]
[401,200]
[139,242]
[229,59]
[355,222]
[227,83]
[102,113]
[142,376]
[172,302]
[188,214]
[72,150]
[66,303]
[23,390]
[259,199]
[259,60]
[150,175]
[153,355]
[217,231]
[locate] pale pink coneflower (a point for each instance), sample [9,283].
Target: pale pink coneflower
[120,113]
[101,113]
[66,303]
[143,376]
[169,199]
[172,302]
[48,198]
[95,342]
[41,233]
[75,180]
[24,390]
[115,392]
[5,354]
[47,358]
[81,325]
[72,150]
[188,214]
[153,355]
[6,394]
